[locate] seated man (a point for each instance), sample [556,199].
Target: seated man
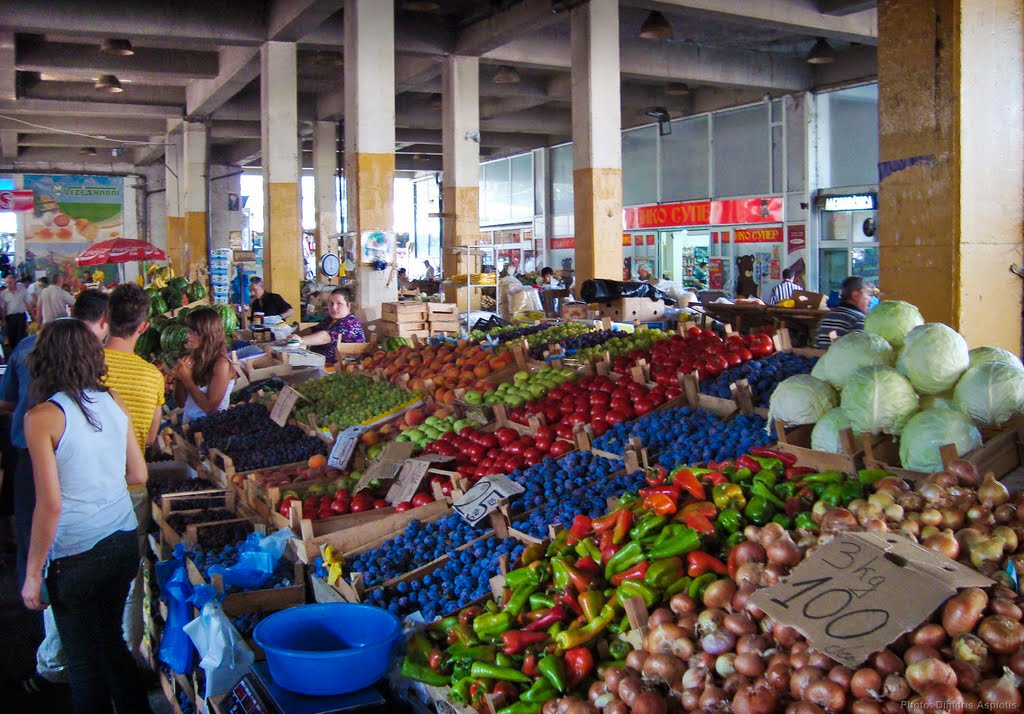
[268,303]
[848,315]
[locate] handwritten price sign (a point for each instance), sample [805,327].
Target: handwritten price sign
[344,446]
[485,496]
[284,405]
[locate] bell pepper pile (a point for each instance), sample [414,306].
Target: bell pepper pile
[562,612]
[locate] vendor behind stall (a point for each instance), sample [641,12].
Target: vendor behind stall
[267,303]
[848,316]
[341,324]
[548,281]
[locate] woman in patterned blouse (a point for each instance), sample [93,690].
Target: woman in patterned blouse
[342,325]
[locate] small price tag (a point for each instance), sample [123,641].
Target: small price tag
[344,446]
[284,405]
[485,496]
[408,481]
[388,466]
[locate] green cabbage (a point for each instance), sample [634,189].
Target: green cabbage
[990,393]
[980,355]
[818,370]
[937,401]
[931,429]
[825,435]
[878,399]
[892,320]
[801,399]
[933,358]
[853,351]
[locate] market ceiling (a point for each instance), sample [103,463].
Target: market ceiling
[200,58]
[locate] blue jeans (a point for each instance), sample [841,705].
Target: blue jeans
[87,592]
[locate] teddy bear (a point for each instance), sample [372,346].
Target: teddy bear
[745,284]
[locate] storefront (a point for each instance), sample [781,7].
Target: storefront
[514,246]
[848,239]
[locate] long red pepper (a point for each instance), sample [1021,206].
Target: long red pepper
[786,458]
[637,572]
[515,641]
[698,562]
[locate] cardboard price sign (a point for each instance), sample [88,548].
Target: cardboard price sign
[344,446]
[408,481]
[485,496]
[284,405]
[862,591]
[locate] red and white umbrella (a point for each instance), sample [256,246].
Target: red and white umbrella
[119,250]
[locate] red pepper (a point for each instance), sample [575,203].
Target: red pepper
[698,516]
[721,465]
[637,572]
[579,663]
[673,491]
[686,481]
[608,552]
[436,659]
[550,617]
[622,526]
[786,458]
[796,505]
[715,478]
[478,690]
[605,523]
[468,614]
[655,476]
[515,641]
[588,566]
[698,562]
[509,690]
[745,462]
[580,526]
[530,666]
[568,599]
[795,472]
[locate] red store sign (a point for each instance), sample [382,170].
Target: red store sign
[16,201]
[759,235]
[563,243]
[704,213]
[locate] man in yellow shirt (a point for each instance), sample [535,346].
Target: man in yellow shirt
[141,386]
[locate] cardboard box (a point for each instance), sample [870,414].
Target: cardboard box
[403,312]
[574,311]
[633,309]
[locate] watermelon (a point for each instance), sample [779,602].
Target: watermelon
[157,306]
[180,317]
[148,343]
[158,322]
[195,291]
[152,292]
[228,317]
[172,341]
[179,283]
[173,296]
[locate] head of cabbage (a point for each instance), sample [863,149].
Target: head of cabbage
[892,320]
[801,399]
[825,435]
[878,400]
[931,429]
[933,357]
[853,351]
[980,355]
[990,393]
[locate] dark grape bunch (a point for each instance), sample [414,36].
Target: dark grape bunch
[220,535]
[159,484]
[241,419]
[273,384]
[577,342]
[214,500]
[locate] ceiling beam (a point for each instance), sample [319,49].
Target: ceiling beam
[291,20]
[423,34]
[489,34]
[8,85]
[54,108]
[103,159]
[235,130]
[163,98]
[412,70]
[238,67]
[86,61]
[8,144]
[853,63]
[247,108]
[845,7]
[540,120]
[797,16]
[146,155]
[490,139]
[100,126]
[330,104]
[55,141]
[528,86]
[216,23]
[672,62]
[242,152]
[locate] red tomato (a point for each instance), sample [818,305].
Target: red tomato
[544,432]
[561,447]
[733,359]
[552,414]
[544,445]
[488,441]
[599,426]
[615,416]
[421,499]
[643,406]
[402,506]
[694,332]
[564,431]
[380,503]
[532,455]
[359,505]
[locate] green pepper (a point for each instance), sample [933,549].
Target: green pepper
[823,477]
[765,492]
[575,638]
[632,588]
[783,520]
[730,520]
[418,647]
[553,669]
[629,555]
[869,477]
[588,547]
[503,660]
[461,670]
[785,490]
[663,572]
[591,603]
[520,597]
[460,690]
[728,495]
[524,707]
[618,649]
[540,601]
[558,543]
[805,521]
[685,541]
[490,626]
[679,586]
[735,539]
[423,673]
[700,584]
[532,553]
[566,574]
[541,691]
[740,475]
[670,531]
[483,653]
[832,495]
[851,491]
[626,499]
[768,463]
[758,510]
[483,670]
[647,525]
[535,573]
[768,478]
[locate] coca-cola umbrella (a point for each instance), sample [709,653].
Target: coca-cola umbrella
[119,250]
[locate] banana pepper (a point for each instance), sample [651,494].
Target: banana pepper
[663,572]
[566,574]
[630,554]
[633,588]
[730,520]
[491,625]
[575,638]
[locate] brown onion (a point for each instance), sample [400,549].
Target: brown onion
[1006,513]
[1001,634]
[952,519]
[967,675]
[962,611]
[749,574]
[661,637]
[688,621]
[837,520]
[690,699]
[783,552]
[719,593]
[887,662]
[660,616]
[992,493]
[615,706]
[777,676]
[1001,694]
[649,703]
[694,678]
[941,698]
[597,691]
[635,660]
[821,660]
[918,653]
[742,596]
[866,706]
[841,675]
[629,689]
[866,682]
[748,552]
[965,472]
[711,697]
[895,688]
[612,676]
[770,533]
[740,624]
[930,635]
[826,694]
[1006,608]
[928,674]
[663,668]
[785,635]
[1016,663]
[682,603]
[801,679]
[754,700]
[734,683]
[752,644]
[944,543]
[749,665]
[804,708]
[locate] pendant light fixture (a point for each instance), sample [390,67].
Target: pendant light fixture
[87,151]
[420,6]
[677,89]
[108,83]
[656,27]
[117,47]
[507,74]
[821,53]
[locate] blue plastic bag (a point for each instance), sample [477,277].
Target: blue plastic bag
[176,650]
[258,557]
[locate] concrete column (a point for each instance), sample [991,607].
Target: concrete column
[325,176]
[460,138]
[195,247]
[597,147]
[370,136]
[951,146]
[174,178]
[282,227]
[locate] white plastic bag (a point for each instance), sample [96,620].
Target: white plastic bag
[225,656]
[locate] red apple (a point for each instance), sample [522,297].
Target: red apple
[421,499]
[560,447]
[402,506]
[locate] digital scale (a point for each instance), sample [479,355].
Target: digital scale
[257,693]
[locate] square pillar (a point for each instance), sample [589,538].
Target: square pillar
[325,178]
[460,139]
[194,243]
[174,196]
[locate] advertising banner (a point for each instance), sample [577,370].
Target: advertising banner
[737,211]
[796,252]
[716,278]
[563,243]
[759,235]
[17,201]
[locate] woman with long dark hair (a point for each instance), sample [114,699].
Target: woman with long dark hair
[83,545]
[343,326]
[202,379]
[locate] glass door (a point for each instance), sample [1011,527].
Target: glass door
[833,268]
[684,257]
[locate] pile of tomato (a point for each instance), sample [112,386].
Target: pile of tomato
[700,351]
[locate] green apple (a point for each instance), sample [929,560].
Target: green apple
[461,424]
[521,377]
[514,400]
[433,421]
[473,397]
[403,437]
[537,390]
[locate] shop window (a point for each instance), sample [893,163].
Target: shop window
[851,120]
[684,161]
[796,145]
[640,166]
[742,152]
[496,193]
[561,180]
[521,203]
[777,159]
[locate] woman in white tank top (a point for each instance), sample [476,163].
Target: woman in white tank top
[202,379]
[84,454]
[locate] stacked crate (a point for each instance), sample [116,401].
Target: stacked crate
[404,319]
[443,318]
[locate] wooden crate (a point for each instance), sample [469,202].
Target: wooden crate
[442,308]
[193,532]
[265,500]
[797,441]
[404,312]
[419,329]
[266,600]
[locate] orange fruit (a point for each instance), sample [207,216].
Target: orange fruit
[481,370]
[317,461]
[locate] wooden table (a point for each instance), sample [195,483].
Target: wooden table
[739,316]
[803,321]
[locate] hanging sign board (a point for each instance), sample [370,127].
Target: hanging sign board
[485,496]
[387,467]
[344,446]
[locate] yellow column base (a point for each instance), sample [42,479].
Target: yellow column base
[598,196]
[282,252]
[176,243]
[370,191]
[196,246]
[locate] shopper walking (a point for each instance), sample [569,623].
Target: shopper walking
[785,289]
[14,305]
[848,316]
[54,300]
[202,379]
[84,454]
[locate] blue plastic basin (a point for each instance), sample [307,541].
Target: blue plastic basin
[330,648]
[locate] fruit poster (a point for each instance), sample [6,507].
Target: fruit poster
[69,214]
